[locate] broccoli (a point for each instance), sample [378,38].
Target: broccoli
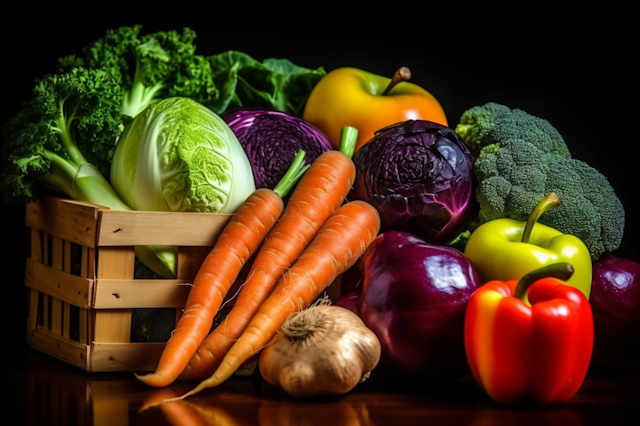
[149,67]
[492,123]
[513,172]
[62,139]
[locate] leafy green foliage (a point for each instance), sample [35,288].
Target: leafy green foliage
[63,137]
[274,83]
[149,67]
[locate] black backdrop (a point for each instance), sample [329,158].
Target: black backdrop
[566,69]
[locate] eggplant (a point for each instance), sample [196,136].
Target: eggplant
[615,303]
[413,295]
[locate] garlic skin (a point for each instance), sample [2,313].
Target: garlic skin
[322,350]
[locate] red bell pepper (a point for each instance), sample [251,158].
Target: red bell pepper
[536,352]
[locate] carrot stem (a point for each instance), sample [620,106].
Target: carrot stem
[348,140]
[293,174]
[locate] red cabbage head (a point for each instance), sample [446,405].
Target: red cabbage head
[418,175]
[271,139]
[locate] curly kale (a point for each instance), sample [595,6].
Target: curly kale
[149,67]
[62,138]
[514,171]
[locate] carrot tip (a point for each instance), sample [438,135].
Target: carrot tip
[151,379]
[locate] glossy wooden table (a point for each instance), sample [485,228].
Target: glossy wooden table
[39,390]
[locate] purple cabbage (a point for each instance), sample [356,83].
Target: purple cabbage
[271,139]
[418,175]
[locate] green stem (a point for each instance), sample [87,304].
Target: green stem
[561,270]
[348,139]
[549,202]
[86,183]
[65,132]
[293,174]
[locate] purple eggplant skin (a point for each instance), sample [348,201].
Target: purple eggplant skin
[418,175]
[615,303]
[413,296]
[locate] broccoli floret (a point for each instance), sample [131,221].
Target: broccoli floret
[514,175]
[149,67]
[493,123]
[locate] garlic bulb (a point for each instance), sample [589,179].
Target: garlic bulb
[322,350]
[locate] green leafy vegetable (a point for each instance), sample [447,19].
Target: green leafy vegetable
[178,155]
[274,83]
[149,67]
[63,138]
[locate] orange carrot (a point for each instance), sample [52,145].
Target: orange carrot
[239,240]
[339,243]
[320,191]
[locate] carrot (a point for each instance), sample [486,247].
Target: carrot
[318,194]
[239,240]
[339,243]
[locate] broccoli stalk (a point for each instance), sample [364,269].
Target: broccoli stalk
[519,159]
[149,67]
[62,139]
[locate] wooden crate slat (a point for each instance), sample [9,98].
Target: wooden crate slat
[120,228]
[67,250]
[57,254]
[66,287]
[126,356]
[36,244]
[88,263]
[71,220]
[85,326]
[32,321]
[66,307]
[45,249]
[116,262]
[94,304]
[56,316]
[120,294]
[112,325]
[45,310]
[66,323]
[67,350]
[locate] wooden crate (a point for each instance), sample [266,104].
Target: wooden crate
[80,279]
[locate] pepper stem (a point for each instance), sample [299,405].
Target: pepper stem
[348,139]
[549,202]
[402,74]
[561,270]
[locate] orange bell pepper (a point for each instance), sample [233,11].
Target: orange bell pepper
[529,352]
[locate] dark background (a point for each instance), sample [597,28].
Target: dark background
[573,70]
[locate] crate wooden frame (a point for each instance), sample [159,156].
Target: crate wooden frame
[97,299]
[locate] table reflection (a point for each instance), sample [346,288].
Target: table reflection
[52,393]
